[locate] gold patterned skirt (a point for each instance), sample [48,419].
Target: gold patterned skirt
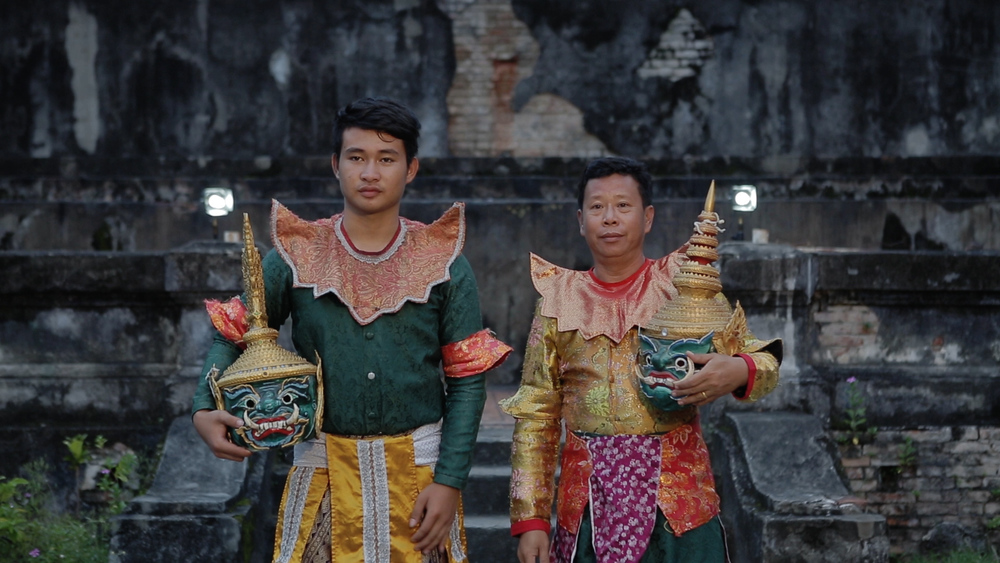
[362,513]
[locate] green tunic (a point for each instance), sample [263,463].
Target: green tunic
[382,378]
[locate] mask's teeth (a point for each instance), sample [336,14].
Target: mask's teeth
[251,424]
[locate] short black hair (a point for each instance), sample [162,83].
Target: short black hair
[611,165]
[384,115]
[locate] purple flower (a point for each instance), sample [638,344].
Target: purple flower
[852,379]
[27,495]
[105,471]
[35,553]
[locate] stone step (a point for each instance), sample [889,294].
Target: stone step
[489,540]
[493,445]
[486,492]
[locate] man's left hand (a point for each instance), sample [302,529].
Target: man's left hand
[720,375]
[434,512]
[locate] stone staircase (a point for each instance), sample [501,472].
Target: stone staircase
[487,520]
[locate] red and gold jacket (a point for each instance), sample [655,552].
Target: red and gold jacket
[579,369]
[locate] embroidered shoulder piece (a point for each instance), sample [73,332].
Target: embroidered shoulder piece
[577,302]
[369,286]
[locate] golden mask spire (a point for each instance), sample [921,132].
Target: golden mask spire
[263,359]
[253,279]
[696,310]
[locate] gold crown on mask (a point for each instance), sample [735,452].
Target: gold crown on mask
[698,308]
[263,359]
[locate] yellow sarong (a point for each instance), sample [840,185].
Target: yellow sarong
[374,486]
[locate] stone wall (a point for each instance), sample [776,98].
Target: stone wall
[102,343]
[731,78]
[920,477]
[154,203]
[910,339]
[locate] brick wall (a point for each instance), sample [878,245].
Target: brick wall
[493,52]
[953,475]
[847,334]
[683,49]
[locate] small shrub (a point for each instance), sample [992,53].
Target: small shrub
[856,420]
[31,532]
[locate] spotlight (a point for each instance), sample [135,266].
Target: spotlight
[218,201]
[744,198]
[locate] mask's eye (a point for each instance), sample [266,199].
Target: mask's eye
[647,360]
[290,394]
[681,363]
[250,404]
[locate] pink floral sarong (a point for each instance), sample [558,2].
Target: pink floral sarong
[623,495]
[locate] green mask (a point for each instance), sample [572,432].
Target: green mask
[662,362]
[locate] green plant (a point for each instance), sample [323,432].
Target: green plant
[111,471]
[856,419]
[907,454]
[30,532]
[114,479]
[77,446]
[12,510]
[993,523]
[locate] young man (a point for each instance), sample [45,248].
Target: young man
[635,482]
[385,302]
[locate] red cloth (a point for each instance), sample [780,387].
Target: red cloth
[751,376]
[476,354]
[229,318]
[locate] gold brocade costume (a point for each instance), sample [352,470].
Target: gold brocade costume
[363,496]
[590,383]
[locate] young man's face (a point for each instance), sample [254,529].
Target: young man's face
[612,219]
[372,170]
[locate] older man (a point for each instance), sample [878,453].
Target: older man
[635,485]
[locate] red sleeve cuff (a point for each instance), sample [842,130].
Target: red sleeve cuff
[229,318]
[476,354]
[743,392]
[518,528]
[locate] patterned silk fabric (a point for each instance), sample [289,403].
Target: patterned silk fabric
[320,261]
[229,318]
[766,356]
[371,486]
[476,354]
[581,303]
[591,384]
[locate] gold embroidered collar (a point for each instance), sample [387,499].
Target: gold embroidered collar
[369,285]
[578,301]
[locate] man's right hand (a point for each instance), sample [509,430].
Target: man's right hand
[533,547]
[213,427]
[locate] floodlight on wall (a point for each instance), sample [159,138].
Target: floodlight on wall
[744,198]
[218,201]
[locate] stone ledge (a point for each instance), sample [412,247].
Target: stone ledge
[788,459]
[190,477]
[914,396]
[855,275]
[779,485]
[761,273]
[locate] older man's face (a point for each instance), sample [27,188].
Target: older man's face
[613,219]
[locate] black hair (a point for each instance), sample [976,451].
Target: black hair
[610,165]
[383,115]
